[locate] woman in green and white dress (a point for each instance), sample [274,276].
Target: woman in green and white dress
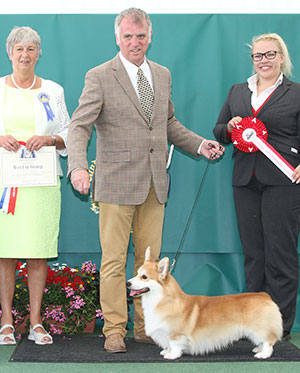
[33,112]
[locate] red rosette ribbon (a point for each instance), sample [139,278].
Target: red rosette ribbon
[251,135]
[245,130]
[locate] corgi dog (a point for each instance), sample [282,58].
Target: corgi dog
[195,324]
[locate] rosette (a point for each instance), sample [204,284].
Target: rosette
[251,135]
[245,131]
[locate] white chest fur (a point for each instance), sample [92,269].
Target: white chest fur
[155,326]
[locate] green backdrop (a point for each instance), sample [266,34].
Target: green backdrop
[206,54]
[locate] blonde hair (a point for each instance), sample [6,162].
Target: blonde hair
[287,66]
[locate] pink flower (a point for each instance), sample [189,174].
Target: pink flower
[99,313]
[77,303]
[55,314]
[88,267]
[69,291]
[14,312]
[54,330]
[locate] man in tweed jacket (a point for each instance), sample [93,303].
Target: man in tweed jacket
[132,149]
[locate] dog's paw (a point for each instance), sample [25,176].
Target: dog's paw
[163,352]
[261,355]
[256,350]
[171,355]
[265,350]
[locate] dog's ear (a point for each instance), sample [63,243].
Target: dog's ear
[148,255]
[163,268]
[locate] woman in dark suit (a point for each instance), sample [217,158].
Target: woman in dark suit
[267,202]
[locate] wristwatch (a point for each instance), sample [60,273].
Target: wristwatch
[54,140]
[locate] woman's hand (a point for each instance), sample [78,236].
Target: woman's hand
[9,143]
[37,142]
[296,175]
[232,123]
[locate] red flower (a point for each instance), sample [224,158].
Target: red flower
[19,264]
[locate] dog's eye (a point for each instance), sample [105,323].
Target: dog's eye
[144,277]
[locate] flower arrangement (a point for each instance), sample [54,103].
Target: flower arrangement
[70,300]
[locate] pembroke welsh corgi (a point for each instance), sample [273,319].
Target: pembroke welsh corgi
[195,324]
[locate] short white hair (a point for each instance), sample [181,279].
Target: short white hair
[136,15]
[25,35]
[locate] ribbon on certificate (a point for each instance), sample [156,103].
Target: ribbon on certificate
[5,191]
[250,135]
[8,200]
[12,200]
[5,199]
[44,99]
[9,195]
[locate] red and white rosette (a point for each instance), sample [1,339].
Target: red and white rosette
[250,135]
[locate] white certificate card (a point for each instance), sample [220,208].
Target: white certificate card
[28,169]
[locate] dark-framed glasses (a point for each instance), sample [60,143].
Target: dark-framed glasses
[270,55]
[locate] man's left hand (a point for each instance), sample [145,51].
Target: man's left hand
[212,149]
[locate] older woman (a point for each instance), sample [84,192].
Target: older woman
[33,111]
[267,202]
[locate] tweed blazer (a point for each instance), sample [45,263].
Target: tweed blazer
[281,116]
[130,151]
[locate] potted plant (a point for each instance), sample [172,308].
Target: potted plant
[70,301]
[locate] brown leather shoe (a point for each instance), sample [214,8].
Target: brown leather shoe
[115,343]
[143,339]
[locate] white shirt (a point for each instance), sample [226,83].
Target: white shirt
[257,101]
[132,70]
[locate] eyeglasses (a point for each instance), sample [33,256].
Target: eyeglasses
[270,55]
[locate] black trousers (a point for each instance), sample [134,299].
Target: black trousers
[269,221]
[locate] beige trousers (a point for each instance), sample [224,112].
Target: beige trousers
[115,222]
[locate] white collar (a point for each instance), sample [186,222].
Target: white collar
[252,82]
[130,67]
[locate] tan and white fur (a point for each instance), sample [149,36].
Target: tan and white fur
[195,324]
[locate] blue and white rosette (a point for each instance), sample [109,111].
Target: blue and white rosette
[45,99]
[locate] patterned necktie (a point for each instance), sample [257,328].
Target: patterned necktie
[145,94]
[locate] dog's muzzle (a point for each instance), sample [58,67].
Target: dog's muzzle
[136,292]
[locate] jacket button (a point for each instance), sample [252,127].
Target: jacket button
[150,128]
[151,150]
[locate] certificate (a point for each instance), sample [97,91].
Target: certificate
[28,169]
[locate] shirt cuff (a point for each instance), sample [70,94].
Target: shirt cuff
[200,146]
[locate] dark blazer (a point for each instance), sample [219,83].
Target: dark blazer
[130,151]
[281,116]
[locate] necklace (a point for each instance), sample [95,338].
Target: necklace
[24,89]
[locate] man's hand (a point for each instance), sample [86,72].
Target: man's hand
[80,180]
[212,149]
